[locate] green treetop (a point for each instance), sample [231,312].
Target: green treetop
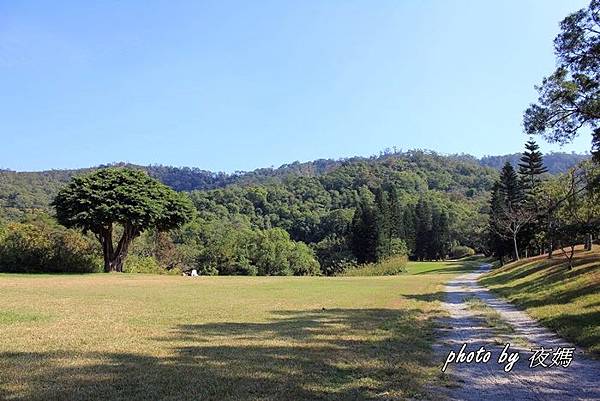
[100,201]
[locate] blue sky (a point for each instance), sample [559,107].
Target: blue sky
[236,85]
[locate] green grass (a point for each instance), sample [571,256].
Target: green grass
[144,337]
[566,301]
[11,317]
[447,267]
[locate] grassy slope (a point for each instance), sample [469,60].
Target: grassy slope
[144,337]
[565,301]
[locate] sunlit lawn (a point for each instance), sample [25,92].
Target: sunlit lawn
[447,267]
[142,337]
[567,301]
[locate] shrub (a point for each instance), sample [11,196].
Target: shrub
[398,247]
[142,264]
[334,255]
[231,250]
[42,248]
[461,251]
[389,267]
[302,261]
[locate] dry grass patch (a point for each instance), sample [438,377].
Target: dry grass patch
[141,337]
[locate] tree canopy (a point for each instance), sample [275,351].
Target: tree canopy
[96,202]
[569,99]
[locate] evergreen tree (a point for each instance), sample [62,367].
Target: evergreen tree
[383,226]
[364,232]
[497,243]
[440,236]
[407,232]
[513,213]
[531,168]
[510,187]
[396,214]
[422,229]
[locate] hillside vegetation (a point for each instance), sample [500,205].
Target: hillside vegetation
[319,217]
[21,190]
[566,301]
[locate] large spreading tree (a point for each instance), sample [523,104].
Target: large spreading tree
[119,200]
[569,99]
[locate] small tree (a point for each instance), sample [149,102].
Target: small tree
[101,201]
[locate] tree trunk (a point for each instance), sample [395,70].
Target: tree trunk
[588,242]
[516,247]
[550,239]
[571,257]
[105,237]
[114,258]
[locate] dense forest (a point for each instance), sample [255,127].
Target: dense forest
[21,191]
[320,217]
[555,162]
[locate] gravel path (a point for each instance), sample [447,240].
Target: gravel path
[489,381]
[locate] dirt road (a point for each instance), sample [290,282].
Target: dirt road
[489,381]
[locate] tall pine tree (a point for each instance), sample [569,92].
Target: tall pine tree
[531,168]
[497,242]
[364,233]
[510,187]
[423,226]
[383,224]
[396,214]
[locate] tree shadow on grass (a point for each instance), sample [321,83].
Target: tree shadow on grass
[341,354]
[550,275]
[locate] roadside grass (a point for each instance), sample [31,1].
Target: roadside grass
[492,317]
[566,301]
[494,321]
[146,337]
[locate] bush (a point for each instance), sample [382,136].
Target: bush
[460,251]
[302,261]
[160,246]
[389,267]
[334,255]
[228,249]
[145,264]
[398,247]
[42,248]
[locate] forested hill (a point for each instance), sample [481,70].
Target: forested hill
[558,162]
[26,190]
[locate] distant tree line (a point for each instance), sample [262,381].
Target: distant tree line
[420,205]
[21,192]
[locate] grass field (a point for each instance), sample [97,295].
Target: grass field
[567,301]
[143,337]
